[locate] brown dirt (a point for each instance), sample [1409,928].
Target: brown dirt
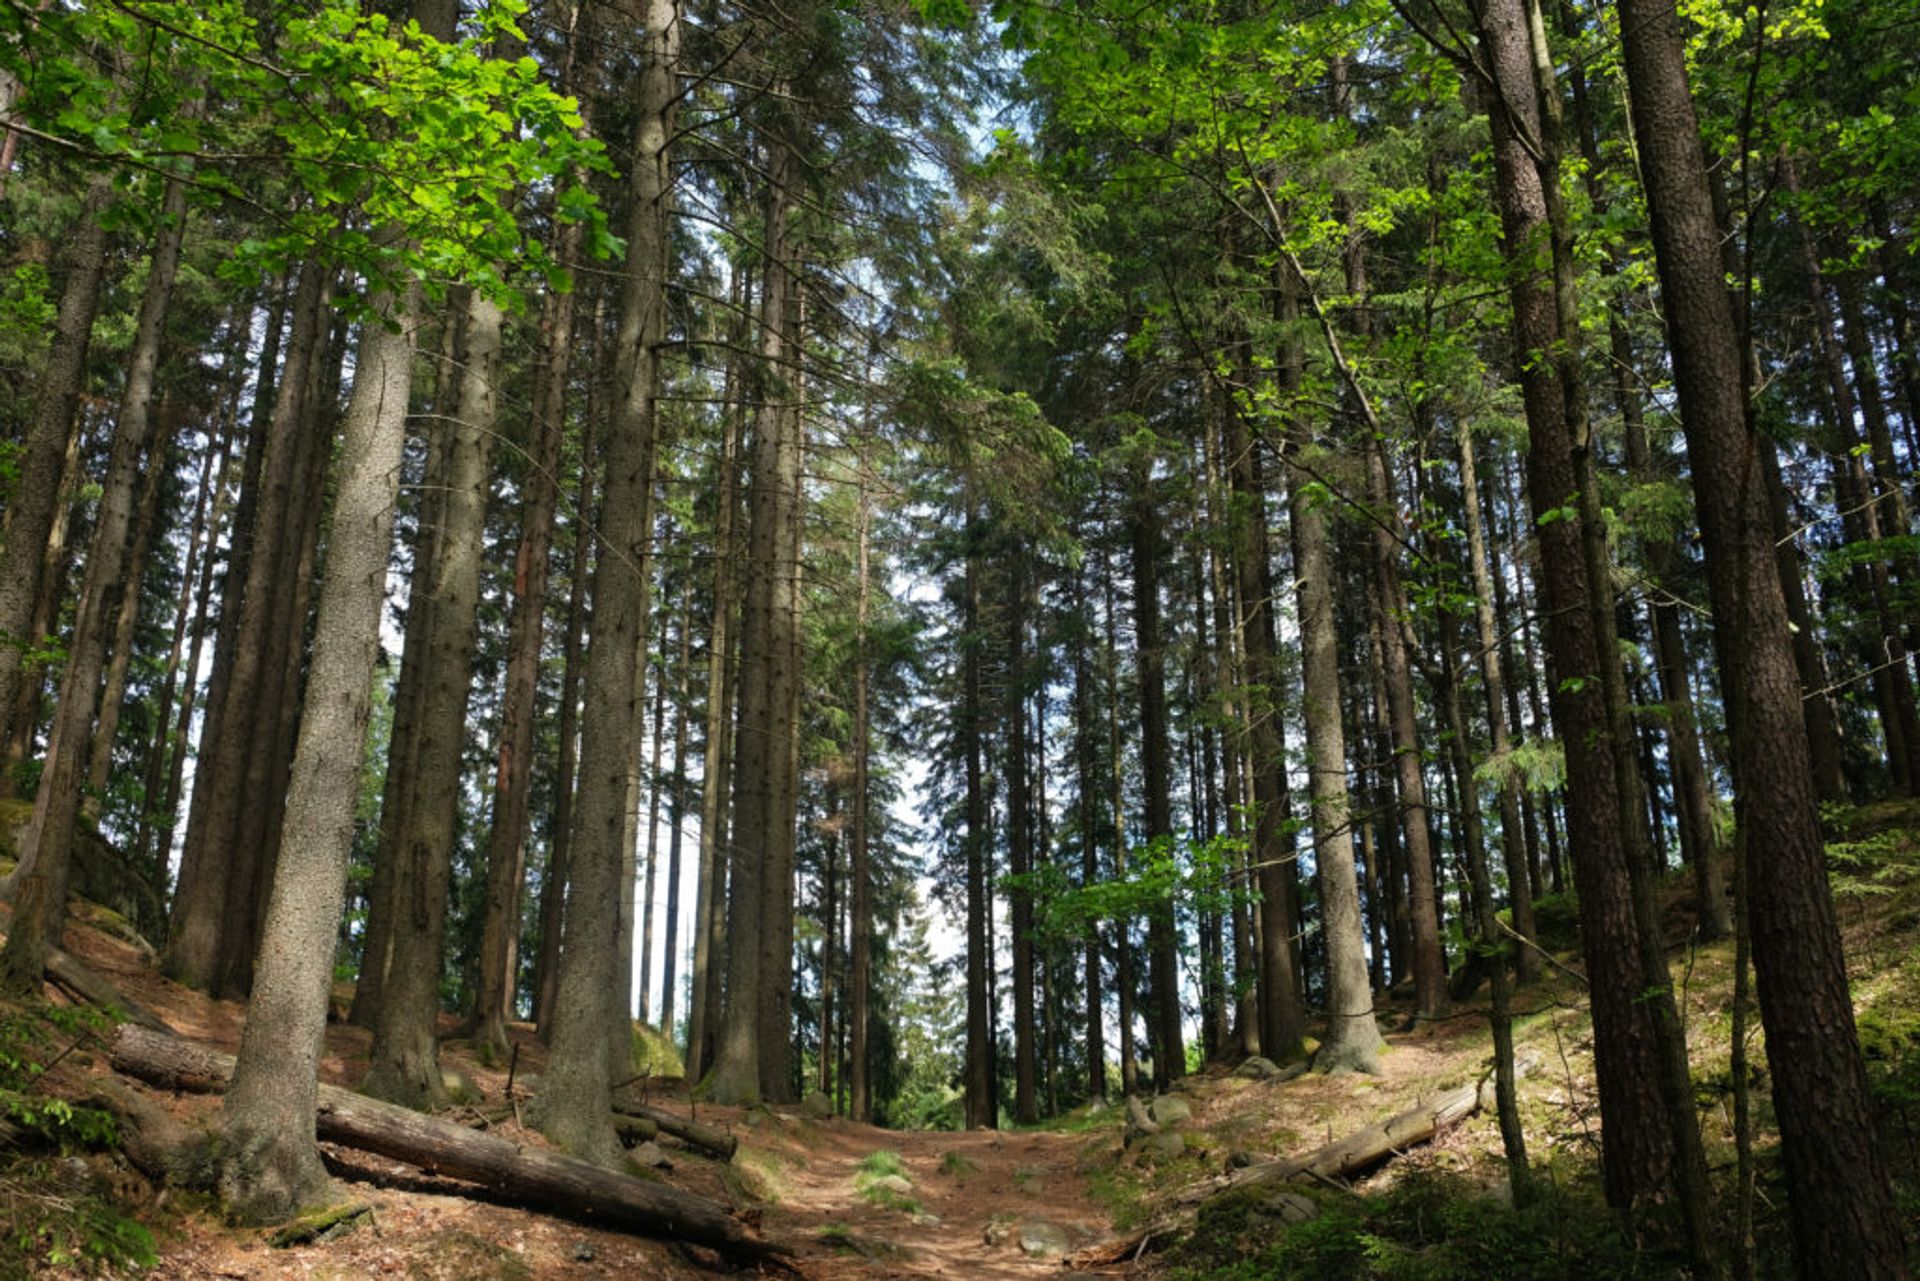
[967,1181]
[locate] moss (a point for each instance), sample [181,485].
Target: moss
[1431,1225]
[655,1054]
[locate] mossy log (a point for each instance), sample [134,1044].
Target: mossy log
[708,1138]
[321,1223]
[1355,1154]
[534,1177]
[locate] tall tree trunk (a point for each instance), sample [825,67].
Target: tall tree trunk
[1088,815]
[759,886]
[572,1107]
[1020,848]
[710,909]
[981,1108]
[1639,1155]
[1493,680]
[39,884]
[404,736]
[1842,1212]
[1282,1019]
[860,961]
[269,1166]
[553,879]
[126,615]
[526,630]
[1352,1042]
[202,933]
[36,494]
[676,808]
[1429,964]
[153,840]
[404,1067]
[1123,976]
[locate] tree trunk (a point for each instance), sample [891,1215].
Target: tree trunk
[39,884]
[860,961]
[202,931]
[497,983]
[35,497]
[981,1108]
[1352,1042]
[269,1165]
[1493,680]
[1842,1212]
[763,815]
[1282,1020]
[710,910]
[670,953]
[571,1108]
[553,878]
[1638,1158]
[1026,1108]
[404,1067]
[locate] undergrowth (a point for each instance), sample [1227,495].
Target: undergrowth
[1431,1226]
[53,1212]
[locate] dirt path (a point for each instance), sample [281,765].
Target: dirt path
[978,1195]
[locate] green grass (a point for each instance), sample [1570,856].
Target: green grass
[957,1165]
[867,1181]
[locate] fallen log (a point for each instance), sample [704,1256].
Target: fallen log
[1355,1154]
[533,1177]
[708,1138]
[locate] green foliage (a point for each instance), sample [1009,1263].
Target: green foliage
[32,1039]
[46,1224]
[405,154]
[51,1212]
[1431,1226]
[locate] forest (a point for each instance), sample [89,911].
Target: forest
[946,568]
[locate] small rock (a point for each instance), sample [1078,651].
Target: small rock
[1287,1207]
[1042,1240]
[459,1086]
[1169,1109]
[897,1184]
[582,1252]
[649,1156]
[999,1231]
[1167,1145]
[1139,1124]
[816,1106]
[1257,1068]
[926,1219]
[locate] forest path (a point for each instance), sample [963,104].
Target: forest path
[974,1197]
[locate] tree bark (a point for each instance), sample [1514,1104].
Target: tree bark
[39,884]
[269,1165]
[36,493]
[201,932]
[758,882]
[497,979]
[1842,1211]
[404,1067]
[709,946]
[571,1108]
[1352,1042]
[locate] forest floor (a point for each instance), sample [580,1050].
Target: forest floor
[853,1201]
